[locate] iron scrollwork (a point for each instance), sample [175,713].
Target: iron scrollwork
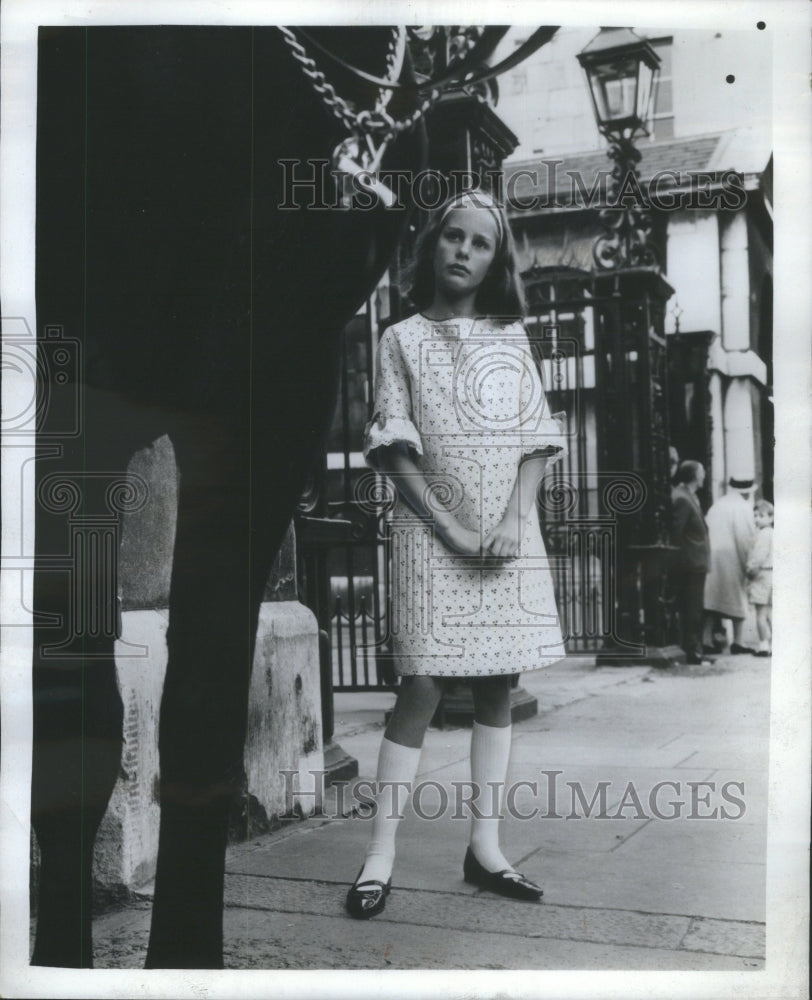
[435,49]
[626,219]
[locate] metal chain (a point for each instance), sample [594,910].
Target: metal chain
[331,100]
[394,55]
[367,123]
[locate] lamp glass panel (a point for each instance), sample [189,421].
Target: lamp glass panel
[644,91]
[615,90]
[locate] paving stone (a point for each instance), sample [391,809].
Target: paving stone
[449,910]
[281,941]
[726,937]
[725,841]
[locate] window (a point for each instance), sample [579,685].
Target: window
[519,80]
[662,125]
[518,77]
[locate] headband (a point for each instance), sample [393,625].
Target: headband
[476,199]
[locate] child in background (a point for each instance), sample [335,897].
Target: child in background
[760,575]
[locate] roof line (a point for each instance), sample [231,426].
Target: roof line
[600,151]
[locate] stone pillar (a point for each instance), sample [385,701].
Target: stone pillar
[718,470]
[738,424]
[735,281]
[284,710]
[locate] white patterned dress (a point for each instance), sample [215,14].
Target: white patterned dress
[466,398]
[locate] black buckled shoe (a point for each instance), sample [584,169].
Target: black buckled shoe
[507,883]
[366,899]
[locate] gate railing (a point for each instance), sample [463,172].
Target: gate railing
[560,327]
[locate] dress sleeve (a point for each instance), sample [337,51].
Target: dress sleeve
[392,415]
[542,432]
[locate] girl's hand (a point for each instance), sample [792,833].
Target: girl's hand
[503,540]
[461,540]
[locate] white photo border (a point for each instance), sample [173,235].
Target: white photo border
[784,974]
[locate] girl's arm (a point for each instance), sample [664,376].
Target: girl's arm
[503,540]
[398,464]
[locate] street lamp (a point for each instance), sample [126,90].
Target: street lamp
[622,71]
[629,295]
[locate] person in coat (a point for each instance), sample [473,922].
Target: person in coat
[732,533]
[692,559]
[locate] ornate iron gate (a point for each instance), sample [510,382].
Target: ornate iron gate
[605,508]
[579,539]
[343,566]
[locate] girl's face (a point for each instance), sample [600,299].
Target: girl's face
[465,250]
[763,519]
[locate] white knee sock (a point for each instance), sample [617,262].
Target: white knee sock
[490,753]
[395,763]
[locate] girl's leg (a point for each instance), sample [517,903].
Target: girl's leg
[490,754]
[397,763]
[416,704]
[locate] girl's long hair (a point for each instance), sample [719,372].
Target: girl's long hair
[501,293]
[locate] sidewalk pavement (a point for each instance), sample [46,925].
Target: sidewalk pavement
[627,891]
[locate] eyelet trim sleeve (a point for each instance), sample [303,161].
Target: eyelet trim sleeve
[380,433]
[393,421]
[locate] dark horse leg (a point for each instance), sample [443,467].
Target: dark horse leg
[77,707]
[84,442]
[238,485]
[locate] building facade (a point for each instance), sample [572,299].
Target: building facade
[707,168]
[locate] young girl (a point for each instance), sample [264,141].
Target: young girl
[760,576]
[462,428]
